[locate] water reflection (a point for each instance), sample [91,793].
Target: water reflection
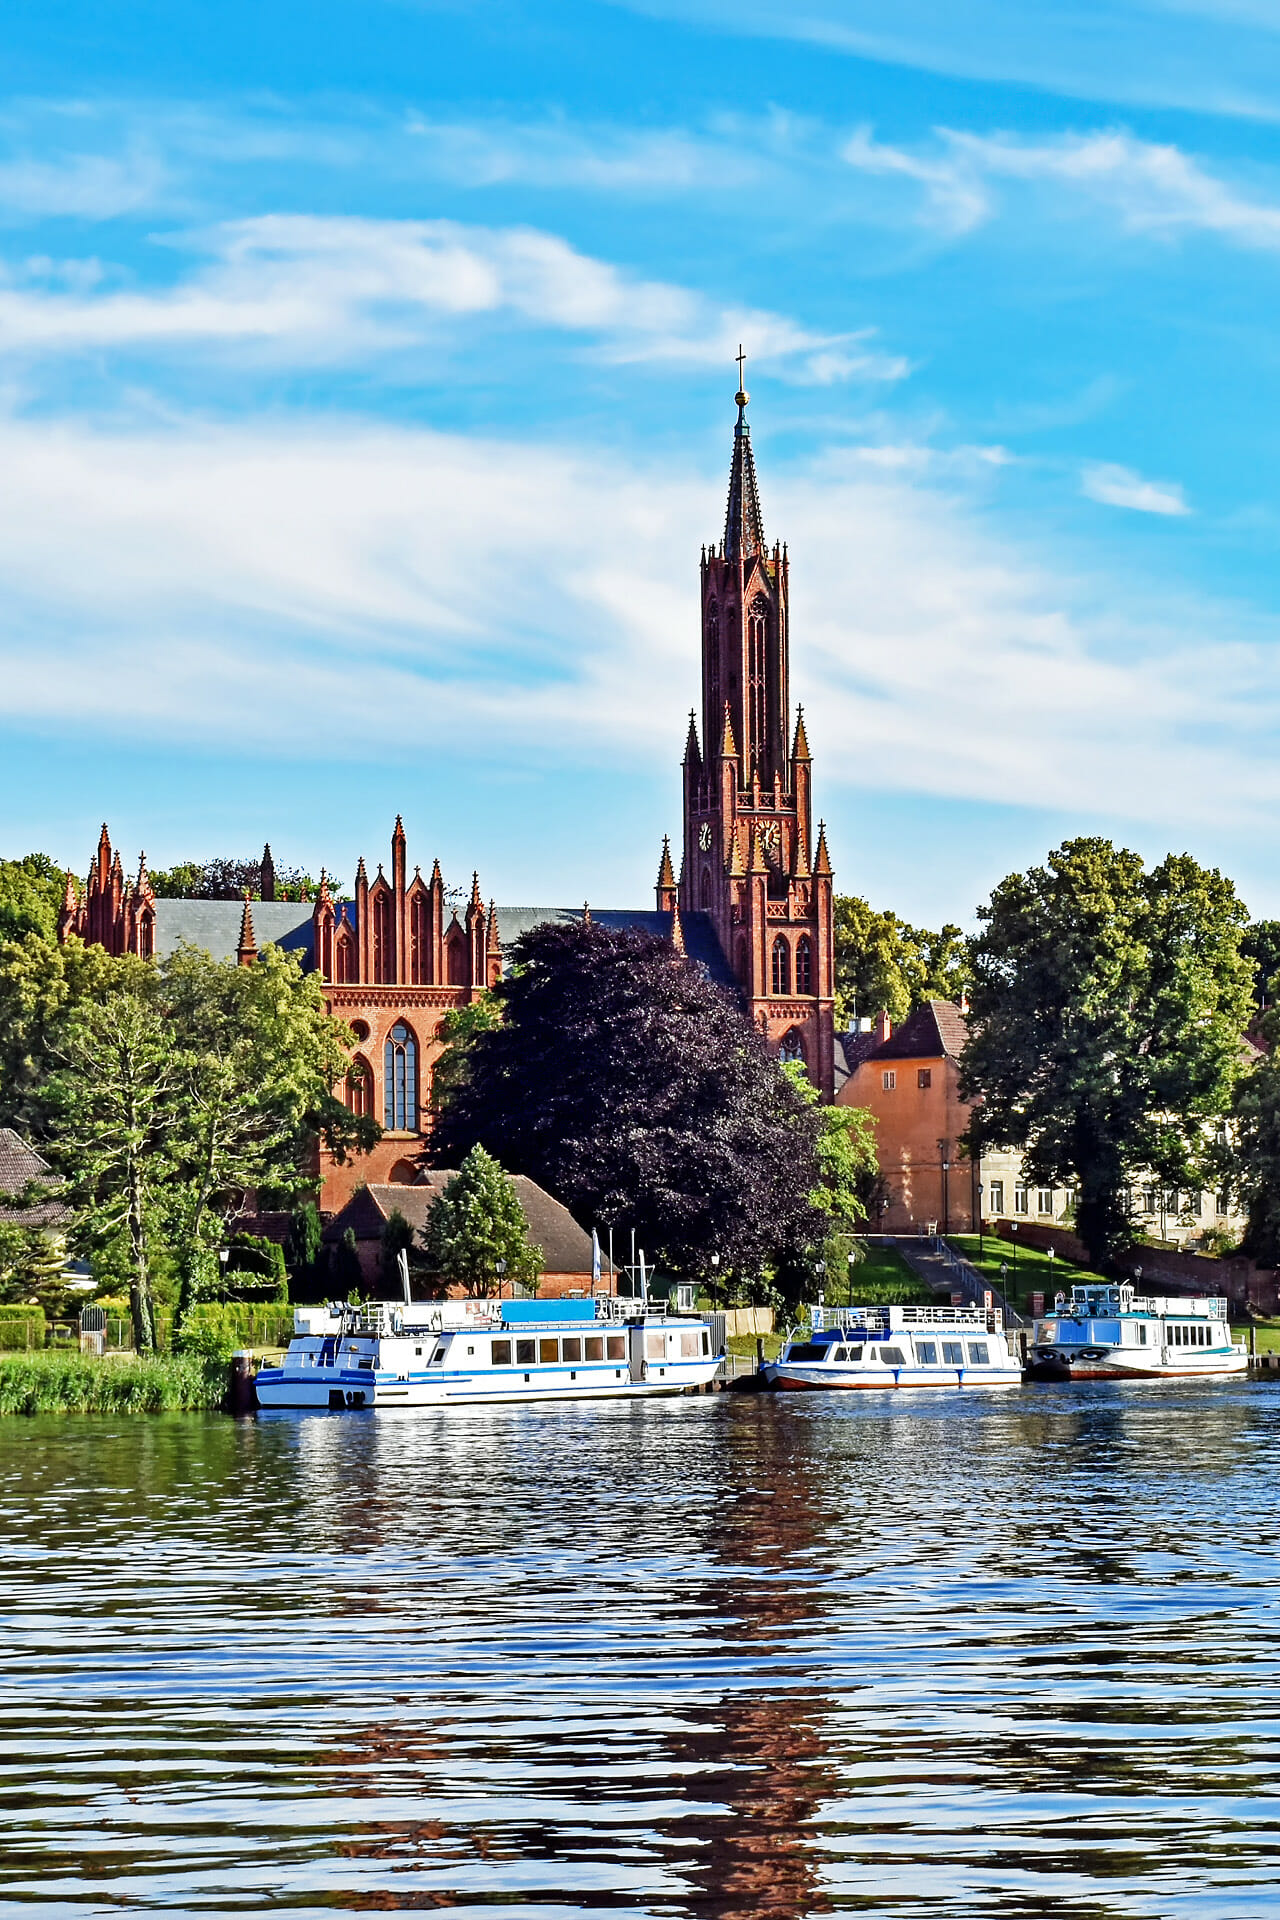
[731,1657]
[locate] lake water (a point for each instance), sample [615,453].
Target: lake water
[734,1656]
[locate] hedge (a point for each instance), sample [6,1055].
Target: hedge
[117,1383]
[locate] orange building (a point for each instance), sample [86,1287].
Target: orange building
[909,1079]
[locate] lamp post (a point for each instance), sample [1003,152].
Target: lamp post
[853,1261]
[500,1268]
[945,1165]
[715,1275]
[978,1191]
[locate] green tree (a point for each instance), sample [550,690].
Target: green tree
[42,985]
[224,878]
[629,1085]
[30,896]
[476,1222]
[303,1251]
[848,1171]
[458,1029]
[397,1238]
[32,1267]
[881,961]
[1261,945]
[1108,1007]
[116,1102]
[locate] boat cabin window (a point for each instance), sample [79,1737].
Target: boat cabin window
[548,1350]
[927,1352]
[593,1348]
[706,1341]
[979,1354]
[806,1350]
[1142,1333]
[615,1346]
[437,1356]
[526,1352]
[891,1356]
[501,1354]
[654,1346]
[689,1344]
[571,1349]
[840,1353]
[855,1353]
[952,1353]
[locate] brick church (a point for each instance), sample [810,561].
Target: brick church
[752,905]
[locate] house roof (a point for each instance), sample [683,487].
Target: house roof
[565,1247]
[936,1031]
[19,1166]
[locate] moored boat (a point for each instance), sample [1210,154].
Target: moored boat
[468,1351]
[867,1347]
[1110,1332]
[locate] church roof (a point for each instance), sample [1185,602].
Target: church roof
[744,523]
[936,1031]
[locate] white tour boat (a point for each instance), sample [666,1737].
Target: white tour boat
[446,1353]
[1108,1332]
[897,1347]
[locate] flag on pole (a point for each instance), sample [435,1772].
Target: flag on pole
[595,1258]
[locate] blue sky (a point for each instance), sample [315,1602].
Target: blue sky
[366,394]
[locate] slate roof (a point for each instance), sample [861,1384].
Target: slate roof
[214,925]
[936,1031]
[565,1247]
[19,1165]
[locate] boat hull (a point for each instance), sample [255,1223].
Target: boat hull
[782,1378]
[354,1392]
[1212,1367]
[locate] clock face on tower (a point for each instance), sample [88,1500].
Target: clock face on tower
[771,834]
[704,835]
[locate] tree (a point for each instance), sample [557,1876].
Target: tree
[228,879]
[116,1103]
[477,1222]
[1108,1007]
[1252,1166]
[631,1086]
[30,896]
[42,985]
[457,1030]
[848,1171]
[1261,944]
[881,961]
[397,1238]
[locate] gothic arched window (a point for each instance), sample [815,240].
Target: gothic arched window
[358,1090]
[706,889]
[757,635]
[456,956]
[804,964]
[147,936]
[400,1080]
[781,966]
[345,955]
[791,1046]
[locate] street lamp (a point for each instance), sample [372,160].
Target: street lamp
[853,1261]
[978,1190]
[500,1268]
[945,1162]
[715,1275]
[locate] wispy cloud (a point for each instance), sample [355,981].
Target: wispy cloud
[1115,486]
[592,157]
[331,290]
[1145,186]
[246,584]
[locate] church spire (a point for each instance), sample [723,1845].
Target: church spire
[744,523]
[666,887]
[247,951]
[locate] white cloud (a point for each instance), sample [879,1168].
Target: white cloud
[294,588]
[1114,486]
[1146,187]
[593,157]
[83,186]
[327,290]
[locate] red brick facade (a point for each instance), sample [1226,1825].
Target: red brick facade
[750,859]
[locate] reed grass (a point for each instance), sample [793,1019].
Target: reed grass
[52,1382]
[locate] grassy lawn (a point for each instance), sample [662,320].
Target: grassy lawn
[1034,1271]
[1266,1334]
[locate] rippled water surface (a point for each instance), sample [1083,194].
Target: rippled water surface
[949,1655]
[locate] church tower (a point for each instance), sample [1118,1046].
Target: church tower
[751,861]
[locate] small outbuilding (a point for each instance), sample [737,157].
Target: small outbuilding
[566,1249]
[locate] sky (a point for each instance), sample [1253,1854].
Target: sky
[366,396]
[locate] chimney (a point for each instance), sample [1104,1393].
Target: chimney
[884,1026]
[964,1000]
